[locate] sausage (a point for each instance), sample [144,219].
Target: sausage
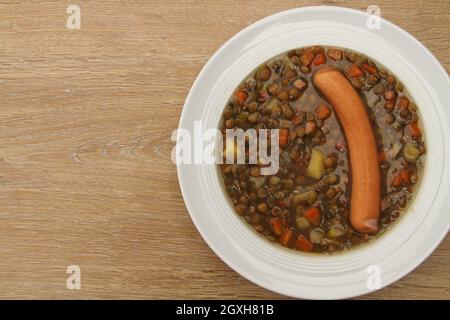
[365,171]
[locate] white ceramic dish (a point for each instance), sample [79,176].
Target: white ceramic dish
[287,272]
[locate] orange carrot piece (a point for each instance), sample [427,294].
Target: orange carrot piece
[277,226]
[303,244]
[319,59]
[286,237]
[323,112]
[396,181]
[404,175]
[370,69]
[283,137]
[355,71]
[414,130]
[241,96]
[313,215]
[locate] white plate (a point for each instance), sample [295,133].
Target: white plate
[287,272]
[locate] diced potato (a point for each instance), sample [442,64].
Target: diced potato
[316,236]
[336,231]
[302,223]
[411,152]
[316,166]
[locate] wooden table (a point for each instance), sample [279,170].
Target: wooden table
[85,123]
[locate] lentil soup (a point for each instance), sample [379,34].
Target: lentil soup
[332,191]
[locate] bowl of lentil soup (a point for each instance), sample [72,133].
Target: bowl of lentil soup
[296,232]
[309,205]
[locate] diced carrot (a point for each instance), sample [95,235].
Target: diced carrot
[381,156]
[414,130]
[323,112]
[303,244]
[277,226]
[396,181]
[307,58]
[404,175]
[313,215]
[370,69]
[283,137]
[286,238]
[355,71]
[241,96]
[319,59]
[295,120]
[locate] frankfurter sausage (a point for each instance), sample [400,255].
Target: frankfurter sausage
[366,185]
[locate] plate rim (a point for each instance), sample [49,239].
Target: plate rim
[194,86]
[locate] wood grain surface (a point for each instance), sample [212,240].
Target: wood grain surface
[85,123]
